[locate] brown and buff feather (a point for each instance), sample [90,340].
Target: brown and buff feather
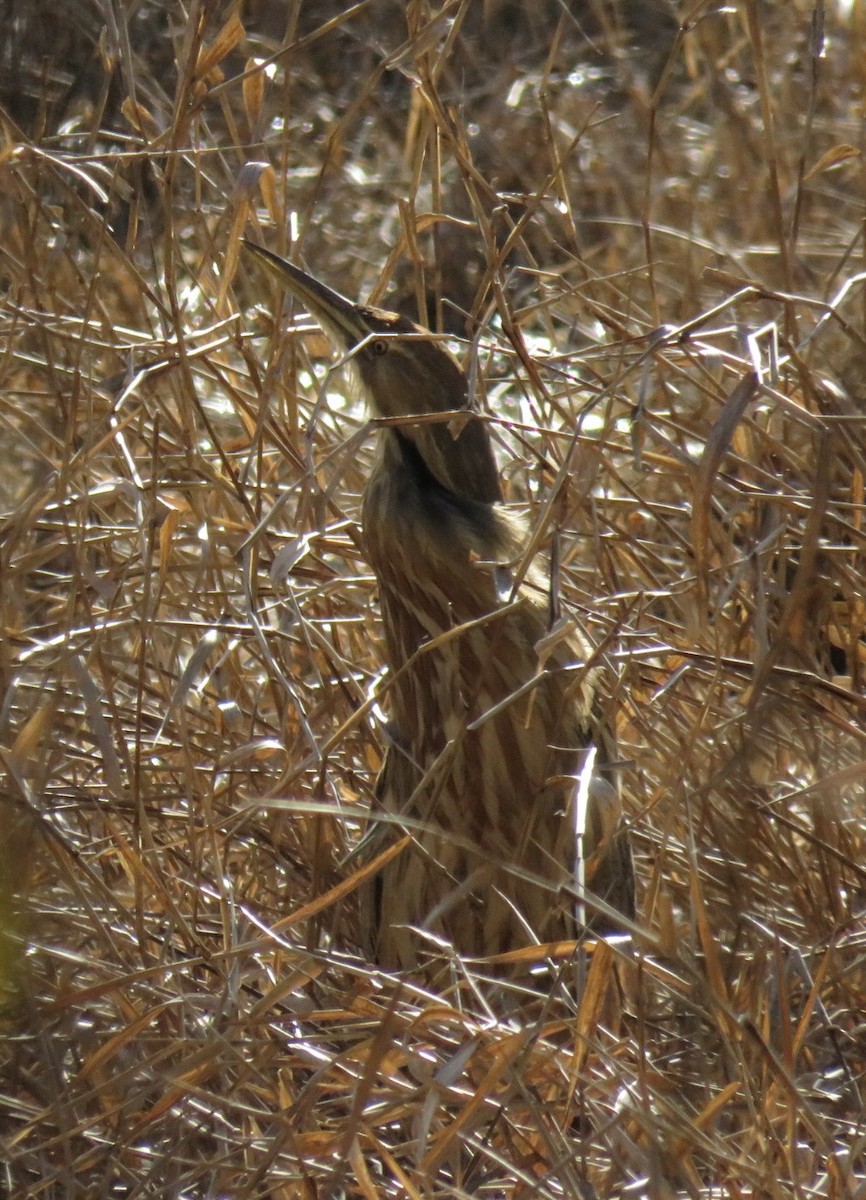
[481,767]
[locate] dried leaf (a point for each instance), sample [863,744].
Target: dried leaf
[834,157]
[210,55]
[253,91]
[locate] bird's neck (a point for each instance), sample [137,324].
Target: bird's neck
[434,552]
[455,454]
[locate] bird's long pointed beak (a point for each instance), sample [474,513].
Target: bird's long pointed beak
[339,316]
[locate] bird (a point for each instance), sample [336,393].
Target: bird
[487,736]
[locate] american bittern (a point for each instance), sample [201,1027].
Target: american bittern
[487,740]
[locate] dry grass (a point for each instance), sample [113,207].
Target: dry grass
[653,240]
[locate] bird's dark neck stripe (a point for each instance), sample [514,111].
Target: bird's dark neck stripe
[439,503]
[414,460]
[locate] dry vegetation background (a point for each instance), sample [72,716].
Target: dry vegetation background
[645,223]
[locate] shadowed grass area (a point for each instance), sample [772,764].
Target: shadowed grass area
[642,225]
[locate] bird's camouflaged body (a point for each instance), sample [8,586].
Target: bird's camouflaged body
[487,737]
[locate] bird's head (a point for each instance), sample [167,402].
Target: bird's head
[406,373]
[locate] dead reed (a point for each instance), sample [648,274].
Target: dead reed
[644,222]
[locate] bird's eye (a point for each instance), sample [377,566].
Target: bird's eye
[379,346]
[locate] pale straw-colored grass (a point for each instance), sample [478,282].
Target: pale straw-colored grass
[649,238]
